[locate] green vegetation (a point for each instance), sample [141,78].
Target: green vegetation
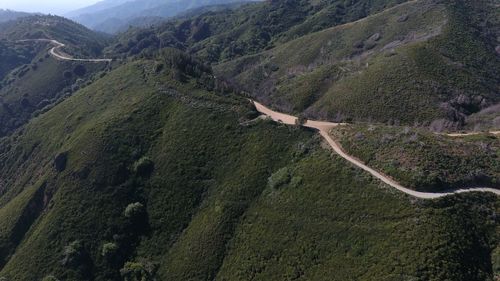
[224,201]
[422,160]
[155,168]
[81,41]
[31,81]
[228,34]
[27,92]
[13,56]
[419,62]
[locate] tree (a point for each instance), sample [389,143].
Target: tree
[144,167]
[50,278]
[139,271]
[72,254]
[134,211]
[79,70]
[109,250]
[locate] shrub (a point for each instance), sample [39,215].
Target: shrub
[280,178]
[139,271]
[72,254]
[301,120]
[109,250]
[60,161]
[67,75]
[143,167]
[79,70]
[49,278]
[134,210]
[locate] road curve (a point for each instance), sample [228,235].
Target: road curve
[325,127]
[55,51]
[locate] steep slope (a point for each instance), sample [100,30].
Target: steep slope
[13,56]
[79,39]
[228,34]
[157,172]
[31,80]
[422,160]
[420,62]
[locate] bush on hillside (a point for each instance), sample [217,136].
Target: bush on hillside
[50,278]
[280,178]
[134,211]
[73,254]
[60,161]
[144,167]
[79,70]
[109,250]
[67,75]
[139,271]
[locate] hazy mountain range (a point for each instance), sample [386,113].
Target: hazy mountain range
[7,15]
[116,15]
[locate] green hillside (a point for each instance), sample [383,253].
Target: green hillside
[422,160]
[81,41]
[34,88]
[219,197]
[224,35]
[12,56]
[417,63]
[157,166]
[31,81]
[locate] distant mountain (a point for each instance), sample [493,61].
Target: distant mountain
[112,16]
[8,15]
[116,25]
[84,41]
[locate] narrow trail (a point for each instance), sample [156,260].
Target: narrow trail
[56,52]
[325,127]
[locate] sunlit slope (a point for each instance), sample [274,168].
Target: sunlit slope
[220,197]
[418,62]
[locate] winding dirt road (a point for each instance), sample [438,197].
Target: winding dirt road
[325,127]
[56,51]
[458,135]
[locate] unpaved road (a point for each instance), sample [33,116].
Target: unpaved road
[471,134]
[56,52]
[325,127]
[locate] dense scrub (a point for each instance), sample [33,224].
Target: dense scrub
[13,56]
[150,173]
[227,34]
[419,62]
[81,41]
[34,88]
[159,170]
[422,160]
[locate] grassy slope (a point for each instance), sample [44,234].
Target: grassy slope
[35,87]
[228,34]
[120,128]
[81,41]
[422,160]
[211,210]
[422,78]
